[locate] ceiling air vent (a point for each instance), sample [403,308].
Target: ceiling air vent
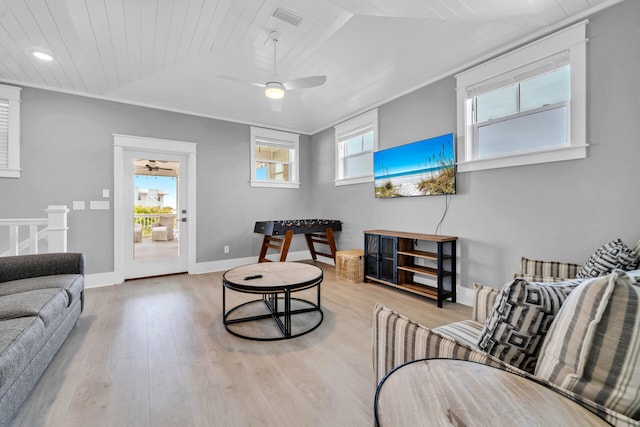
[287,16]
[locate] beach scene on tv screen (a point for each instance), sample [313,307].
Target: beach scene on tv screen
[421,168]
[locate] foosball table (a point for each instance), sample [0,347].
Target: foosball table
[278,235]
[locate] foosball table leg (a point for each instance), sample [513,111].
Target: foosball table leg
[312,249]
[332,243]
[263,251]
[284,249]
[325,238]
[280,243]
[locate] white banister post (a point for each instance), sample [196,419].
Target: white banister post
[57,220]
[13,240]
[33,239]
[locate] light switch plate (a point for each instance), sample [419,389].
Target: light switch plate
[105,192]
[78,205]
[99,205]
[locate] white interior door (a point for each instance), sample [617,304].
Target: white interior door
[152,202]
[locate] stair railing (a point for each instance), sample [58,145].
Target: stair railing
[53,228]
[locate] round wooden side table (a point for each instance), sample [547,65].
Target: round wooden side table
[447,392]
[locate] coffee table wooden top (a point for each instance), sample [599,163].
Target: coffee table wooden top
[276,276]
[445,392]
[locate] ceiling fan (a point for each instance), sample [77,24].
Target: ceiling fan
[154,166]
[275,88]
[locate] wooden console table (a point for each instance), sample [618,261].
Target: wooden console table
[447,392]
[392,258]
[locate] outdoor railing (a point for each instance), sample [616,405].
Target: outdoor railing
[146,222]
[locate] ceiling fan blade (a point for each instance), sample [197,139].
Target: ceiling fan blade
[305,82]
[276,104]
[239,80]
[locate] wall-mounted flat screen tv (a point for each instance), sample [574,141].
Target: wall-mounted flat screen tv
[422,168]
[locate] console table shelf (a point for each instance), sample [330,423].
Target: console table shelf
[392,259]
[425,271]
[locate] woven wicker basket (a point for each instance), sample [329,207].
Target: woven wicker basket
[350,265]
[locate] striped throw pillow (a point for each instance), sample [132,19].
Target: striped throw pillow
[484,297]
[614,255]
[541,279]
[547,271]
[593,345]
[520,318]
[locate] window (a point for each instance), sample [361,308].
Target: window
[9,132]
[533,113]
[356,140]
[274,158]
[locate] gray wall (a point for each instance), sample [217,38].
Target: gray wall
[67,154]
[555,211]
[561,211]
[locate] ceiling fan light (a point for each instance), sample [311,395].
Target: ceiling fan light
[274,90]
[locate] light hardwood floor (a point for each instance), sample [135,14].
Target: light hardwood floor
[154,352]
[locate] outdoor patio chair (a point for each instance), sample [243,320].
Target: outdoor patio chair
[163,229]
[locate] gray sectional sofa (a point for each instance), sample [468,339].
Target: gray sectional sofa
[41,298]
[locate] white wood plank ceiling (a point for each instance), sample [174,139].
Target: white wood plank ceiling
[170,53]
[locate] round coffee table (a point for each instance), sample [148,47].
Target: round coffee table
[447,392]
[270,280]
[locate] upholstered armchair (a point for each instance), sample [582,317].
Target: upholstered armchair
[163,229]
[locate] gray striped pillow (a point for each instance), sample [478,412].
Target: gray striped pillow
[549,271]
[484,297]
[593,345]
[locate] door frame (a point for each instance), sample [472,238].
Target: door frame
[122,143]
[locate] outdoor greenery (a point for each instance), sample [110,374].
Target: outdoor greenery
[152,209]
[147,222]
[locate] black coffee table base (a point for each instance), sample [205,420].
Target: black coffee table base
[277,308]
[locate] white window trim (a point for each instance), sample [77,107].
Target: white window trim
[12,94]
[572,39]
[276,137]
[368,119]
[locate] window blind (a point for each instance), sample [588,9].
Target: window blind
[355,132]
[534,69]
[4,133]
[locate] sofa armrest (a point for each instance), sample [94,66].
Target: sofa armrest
[27,266]
[398,340]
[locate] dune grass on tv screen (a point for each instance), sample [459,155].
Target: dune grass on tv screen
[422,168]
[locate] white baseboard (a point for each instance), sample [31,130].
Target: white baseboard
[97,280]
[223,265]
[464,296]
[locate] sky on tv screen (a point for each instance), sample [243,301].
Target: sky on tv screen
[411,157]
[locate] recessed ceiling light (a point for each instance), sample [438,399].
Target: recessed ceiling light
[42,55]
